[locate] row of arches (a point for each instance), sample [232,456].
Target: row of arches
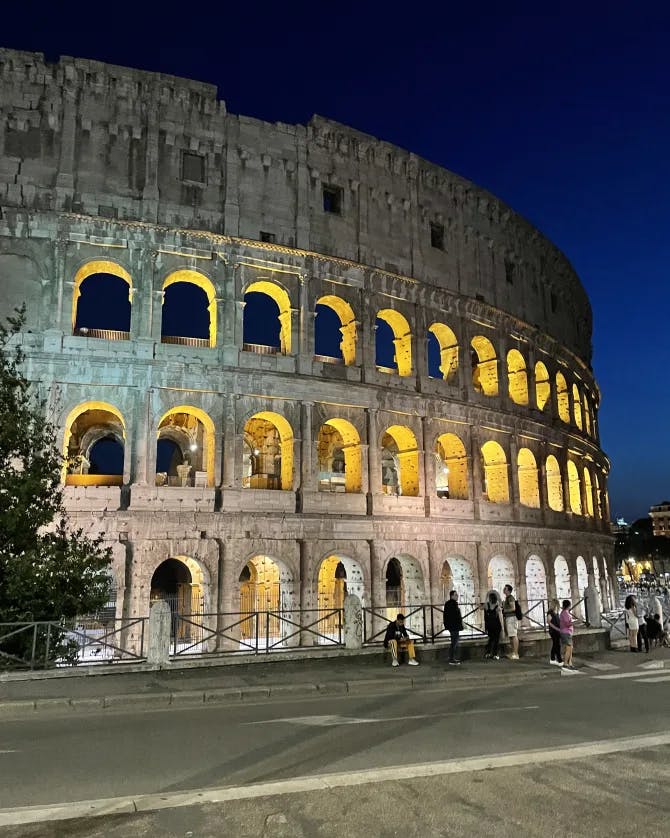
[102,302]
[185,456]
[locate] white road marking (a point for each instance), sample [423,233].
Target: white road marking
[652,665]
[617,675]
[171,800]
[658,679]
[602,667]
[8,752]
[331,721]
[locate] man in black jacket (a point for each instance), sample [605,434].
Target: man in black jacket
[397,638]
[453,623]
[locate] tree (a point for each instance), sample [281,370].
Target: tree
[48,572]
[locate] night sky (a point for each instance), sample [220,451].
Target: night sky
[564,114]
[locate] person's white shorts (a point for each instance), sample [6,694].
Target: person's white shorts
[511,626]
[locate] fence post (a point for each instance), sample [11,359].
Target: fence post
[160,623]
[593,617]
[353,622]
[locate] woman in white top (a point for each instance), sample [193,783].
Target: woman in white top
[632,623]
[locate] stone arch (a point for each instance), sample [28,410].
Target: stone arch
[337,576]
[588,492]
[562,398]
[451,474]
[562,579]
[339,456]
[448,349]
[536,584]
[267,587]
[282,300]
[494,472]
[184,583]
[542,386]
[192,432]
[86,425]
[269,437]
[517,377]
[457,574]
[404,584]
[554,484]
[93,269]
[400,451]
[185,278]
[484,366]
[582,575]
[500,572]
[574,488]
[402,339]
[577,407]
[529,486]
[347,328]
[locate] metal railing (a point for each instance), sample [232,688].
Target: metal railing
[328,359]
[104,334]
[261,349]
[616,620]
[535,615]
[177,340]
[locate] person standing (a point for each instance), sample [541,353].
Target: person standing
[632,623]
[493,623]
[554,624]
[567,632]
[453,623]
[642,636]
[655,605]
[511,622]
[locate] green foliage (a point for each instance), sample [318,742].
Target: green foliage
[47,571]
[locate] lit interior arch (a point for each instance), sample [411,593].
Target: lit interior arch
[85,425]
[97,266]
[562,398]
[448,351]
[206,285]
[400,461]
[347,325]
[542,386]
[402,339]
[339,454]
[281,298]
[588,492]
[577,407]
[574,488]
[192,430]
[338,577]
[517,377]
[554,484]
[451,475]
[269,438]
[484,366]
[496,483]
[536,588]
[562,578]
[529,487]
[266,585]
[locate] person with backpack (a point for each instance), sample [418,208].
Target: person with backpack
[554,624]
[453,623]
[493,623]
[512,615]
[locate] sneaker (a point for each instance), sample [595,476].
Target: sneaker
[496,657]
[487,656]
[395,663]
[413,662]
[514,657]
[454,663]
[553,662]
[560,663]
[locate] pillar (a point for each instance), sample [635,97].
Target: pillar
[429,484]
[374,453]
[308,482]
[229,437]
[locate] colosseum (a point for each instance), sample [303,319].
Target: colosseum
[287,362]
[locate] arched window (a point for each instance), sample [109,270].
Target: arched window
[529,488]
[577,406]
[588,492]
[517,377]
[339,454]
[542,386]
[562,398]
[189,310]
[575,489]
[101,301]
[267,319]
[451,474]
[185,448]
[269,440]
[401,358]
[442,353]
[554,484]
[484,366]
[94,445]
[496,483]
[335,329]
[400,462]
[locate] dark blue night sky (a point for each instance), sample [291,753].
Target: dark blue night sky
[564,114]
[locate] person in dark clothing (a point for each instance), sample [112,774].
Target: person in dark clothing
[493,623]
[642,628]
[396,639]
[453,623]
[554,624]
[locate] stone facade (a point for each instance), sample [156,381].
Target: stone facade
[497,472]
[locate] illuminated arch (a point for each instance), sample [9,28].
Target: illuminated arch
[339,447]
[574,487]
[399,442]
[536,587]
[266,584]
[74,473]
[577,407]
[98,266]
[402,339]
[500,572]
[272,453]
[203,454]
[588,492]
[338,577]
[452,467]
[281,298]
[554,484]
[404,586]
[562,398]
[529,487]
[202,282]
[448,351]
[542,386]
[517,377]
[562,578]
[457,574]
[496,483]
[347,325]
[484,366]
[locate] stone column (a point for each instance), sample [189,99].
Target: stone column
[160,620]
[374,454]
[377,594]
[513,474]
[575,593]
[542,479]
[229,437]
[63,309]
[477,468]
[142,295]
[308,481]
[365,466]
[429,485]
[145,465]
[565,481]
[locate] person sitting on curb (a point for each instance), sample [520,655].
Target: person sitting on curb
[396,639]
[511,622]
[453,623]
